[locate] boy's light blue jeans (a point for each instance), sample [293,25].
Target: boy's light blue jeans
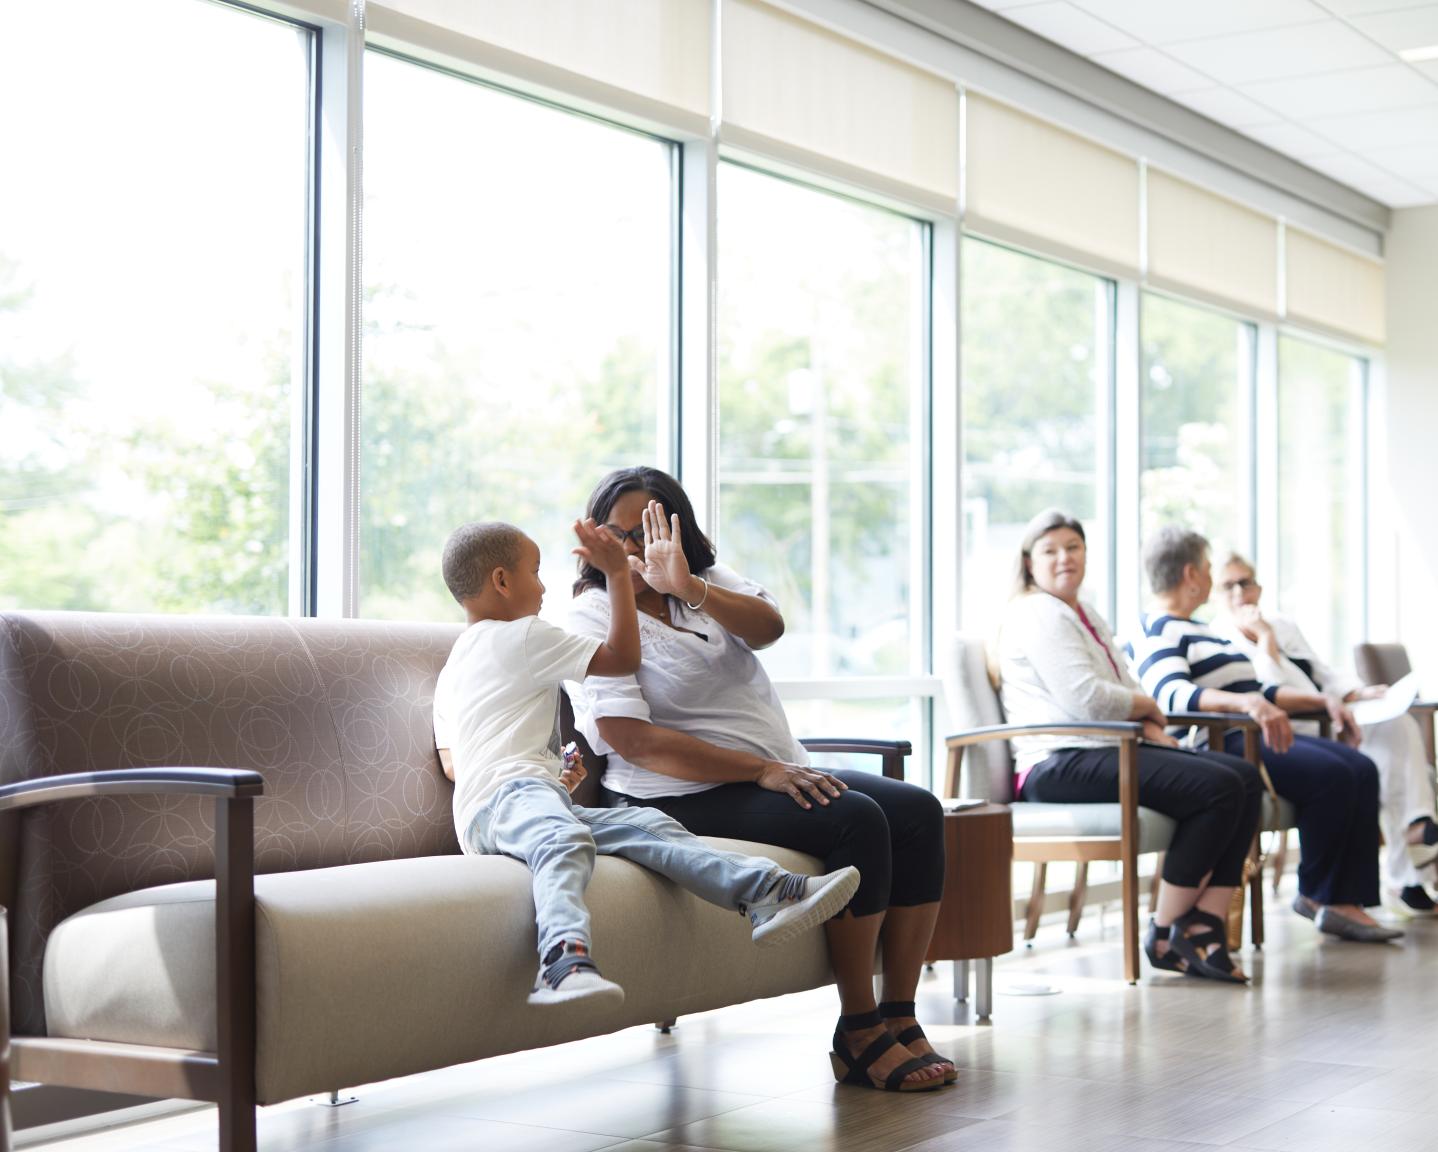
[537,823]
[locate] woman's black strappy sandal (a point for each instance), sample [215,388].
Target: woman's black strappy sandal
[849,1069]
[1204,953]
[898,1009]
[1169,961]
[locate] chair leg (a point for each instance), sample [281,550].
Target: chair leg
[1078,895]
[4,1037]
[1279,856]
[1036,902]
[984,989]
[1154,883]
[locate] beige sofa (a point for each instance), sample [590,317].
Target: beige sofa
[363,946]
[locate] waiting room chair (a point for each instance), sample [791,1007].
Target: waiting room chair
[1387,664]
[1121,831]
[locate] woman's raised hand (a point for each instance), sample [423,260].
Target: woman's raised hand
[799,782]
[663,566]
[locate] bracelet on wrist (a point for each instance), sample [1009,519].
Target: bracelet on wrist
[696,607]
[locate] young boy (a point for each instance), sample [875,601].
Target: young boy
[496,708]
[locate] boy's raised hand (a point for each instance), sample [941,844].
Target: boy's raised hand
[598,546]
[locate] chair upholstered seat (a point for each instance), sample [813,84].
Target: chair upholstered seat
[1071,821]
[1278,815]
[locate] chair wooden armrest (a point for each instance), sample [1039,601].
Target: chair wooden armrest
[1128,733]
[1218,722]
[228,1075]
[891,753]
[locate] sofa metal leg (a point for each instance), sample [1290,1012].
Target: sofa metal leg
[961,980]
[666,1026]
[336,1100]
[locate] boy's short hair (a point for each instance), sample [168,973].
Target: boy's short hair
[475,550]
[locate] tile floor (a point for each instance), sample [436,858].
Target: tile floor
[1332,1048]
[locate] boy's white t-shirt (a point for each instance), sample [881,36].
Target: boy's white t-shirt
[697,678]
[496,707]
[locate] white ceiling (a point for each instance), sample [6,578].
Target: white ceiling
[1318,80]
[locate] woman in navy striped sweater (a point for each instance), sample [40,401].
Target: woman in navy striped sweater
[1186,666]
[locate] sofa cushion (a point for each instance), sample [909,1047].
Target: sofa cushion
[445,939]
[1032,819]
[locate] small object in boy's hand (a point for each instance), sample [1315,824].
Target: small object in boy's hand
[570,752]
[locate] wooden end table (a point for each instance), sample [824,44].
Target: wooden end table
[976,917]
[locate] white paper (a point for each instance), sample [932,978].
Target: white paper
[1392,704]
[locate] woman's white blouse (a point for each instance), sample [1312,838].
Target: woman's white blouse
[702,681]
[1055,672]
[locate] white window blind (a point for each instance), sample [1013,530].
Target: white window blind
[805,96]
[657,50]
[1035,184]
[1208,246]
[1333,288]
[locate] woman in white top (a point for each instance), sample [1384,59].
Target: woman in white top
[1058,664]
[1282,655]
[699,732]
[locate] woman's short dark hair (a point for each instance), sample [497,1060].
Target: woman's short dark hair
[1049,520]
[668,491]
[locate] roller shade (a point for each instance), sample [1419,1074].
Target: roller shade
[656,49]
[806,96]
[1036,184]
[1209,246]
[1333,288]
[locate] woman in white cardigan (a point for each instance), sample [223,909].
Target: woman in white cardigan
[1059,664]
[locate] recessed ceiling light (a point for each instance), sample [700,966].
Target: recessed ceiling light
[1416,55]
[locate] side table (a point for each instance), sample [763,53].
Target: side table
[976,917]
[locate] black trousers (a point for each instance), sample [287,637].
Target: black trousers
[892,832]
[1335,789]
[1215,798]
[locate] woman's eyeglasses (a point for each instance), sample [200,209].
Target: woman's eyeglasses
[1246,583]
[636,535]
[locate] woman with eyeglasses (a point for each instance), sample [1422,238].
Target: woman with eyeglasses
[1282,655]
[1058,664]
[699,733]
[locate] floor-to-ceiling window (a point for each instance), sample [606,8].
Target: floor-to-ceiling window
[1321,543]
[1196,400]
[822,350]
[153,304]
[518,311]
[1037,383]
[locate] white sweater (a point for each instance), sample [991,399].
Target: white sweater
[1055,672]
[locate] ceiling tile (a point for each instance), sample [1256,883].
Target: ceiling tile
[1074,29]
[1279,52]
[1357,7]
[1370,130]
[1227,107]
[1428,68]
[1292,140]
[1395,193]
[1410,28]
[1361,90]
[1154,70]
[1000,5]
[1417,163]
[1176,20]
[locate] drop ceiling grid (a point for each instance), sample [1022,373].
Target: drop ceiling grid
[1318,80]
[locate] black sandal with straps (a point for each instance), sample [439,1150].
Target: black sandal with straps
[850,1069]
[1169,961]
[1204,953]
[898,1009]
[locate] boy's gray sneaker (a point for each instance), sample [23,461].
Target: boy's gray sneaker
[569,975]
[798,903]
